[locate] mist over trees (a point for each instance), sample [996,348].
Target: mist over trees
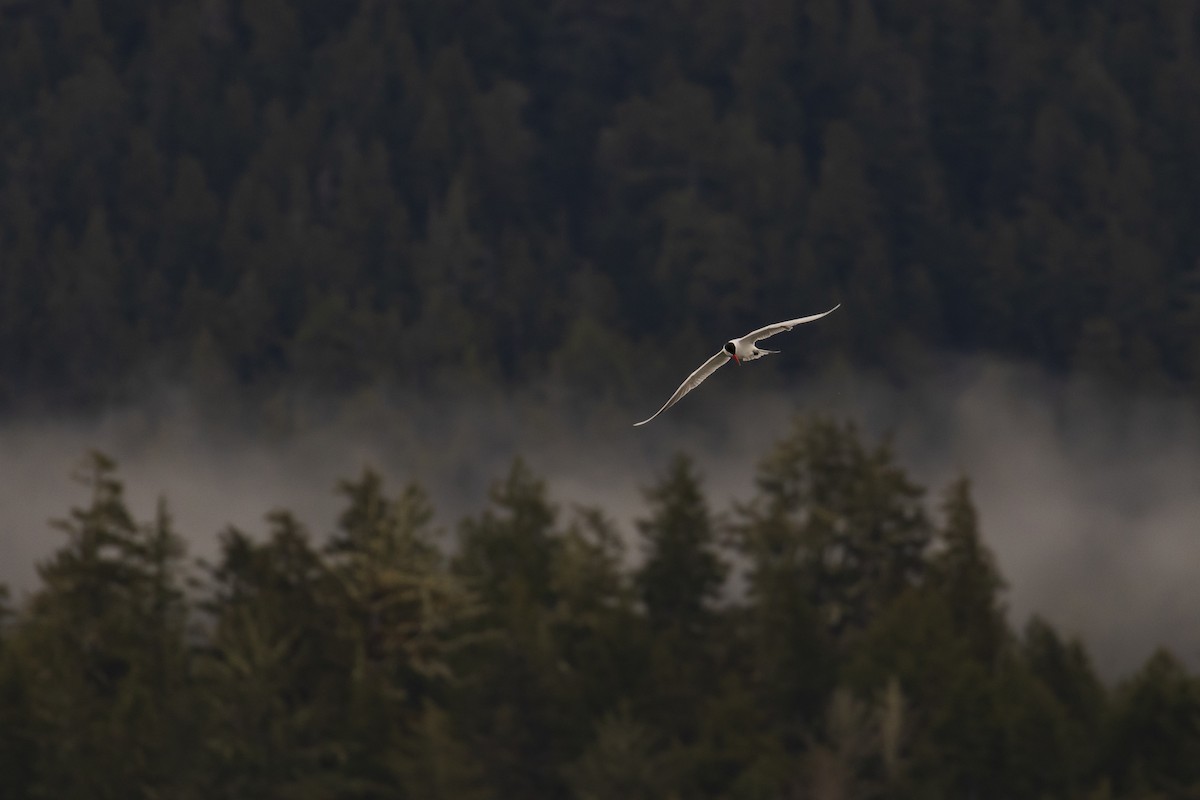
[238,192]
[252,197]
[526,654]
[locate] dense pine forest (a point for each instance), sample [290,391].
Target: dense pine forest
[261,199]
[863,653]
[244,192]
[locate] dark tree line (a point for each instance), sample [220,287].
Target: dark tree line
[864,652]
[231,192]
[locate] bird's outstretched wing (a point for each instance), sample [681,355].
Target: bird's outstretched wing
[694,380]
[780,327]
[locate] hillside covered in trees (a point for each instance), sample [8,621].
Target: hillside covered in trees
[239,192]
[251,198]
[837,634]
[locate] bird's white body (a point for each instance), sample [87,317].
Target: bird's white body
[743,349]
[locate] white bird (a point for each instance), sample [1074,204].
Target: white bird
[743,349]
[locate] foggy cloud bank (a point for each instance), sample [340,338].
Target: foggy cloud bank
[1089,499]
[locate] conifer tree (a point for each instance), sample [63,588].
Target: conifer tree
[840,519]
[682,574]
[108,706]
[963,570]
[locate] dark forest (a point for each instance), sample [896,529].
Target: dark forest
[254,199]
[866,653]
[340,194]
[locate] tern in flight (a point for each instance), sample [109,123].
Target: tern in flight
[743,349]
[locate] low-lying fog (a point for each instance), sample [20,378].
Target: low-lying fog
[1091,502]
